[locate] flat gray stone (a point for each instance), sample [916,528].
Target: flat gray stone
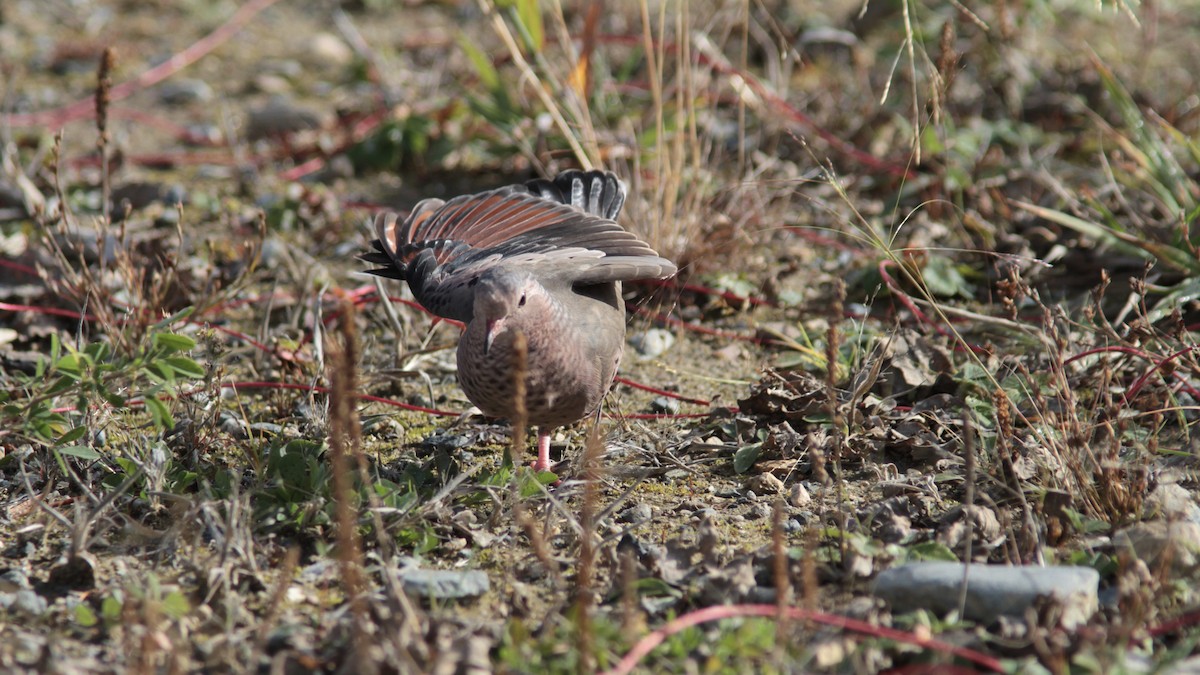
[445,584]
[1159,541]
[992,590]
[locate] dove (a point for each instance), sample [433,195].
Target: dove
[544,260]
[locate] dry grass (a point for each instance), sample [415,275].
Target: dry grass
[938,291]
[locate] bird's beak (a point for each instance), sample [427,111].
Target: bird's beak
[493,329]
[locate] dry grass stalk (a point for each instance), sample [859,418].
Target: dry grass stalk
[836,416]
[633,622]
[345,442]
[783,581]
[968,503]
[537,541]
[103,95]
[590,470]
[520,420]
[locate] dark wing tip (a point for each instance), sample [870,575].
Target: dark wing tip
[599,193]
[386,251]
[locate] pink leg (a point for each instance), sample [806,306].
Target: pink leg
[543,458]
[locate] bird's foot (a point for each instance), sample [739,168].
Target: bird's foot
[542,463]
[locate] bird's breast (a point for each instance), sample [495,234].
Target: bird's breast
[570,360]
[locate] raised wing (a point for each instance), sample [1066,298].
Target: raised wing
[561,230]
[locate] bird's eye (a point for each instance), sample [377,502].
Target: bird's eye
[521,302]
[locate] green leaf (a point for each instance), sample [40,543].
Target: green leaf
[746,456]
[176,605]
[945,280]
[177,316]
[84,616]
[71,365]
[185,366]
[173,342]
[71,436]
[487,73]
[529,23]
[111,609]
[159,412]
[161,372]
[931,550]
[81,451]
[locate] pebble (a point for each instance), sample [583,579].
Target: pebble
[664,405]
[799,496]
[331,49]
[140,194]
[279,117]
[652,343]
[12,581]
[992,590]
[638,513]
[445,584]
[758,511]
[184,91]
[765,484]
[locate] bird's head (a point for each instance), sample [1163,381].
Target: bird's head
[501,295]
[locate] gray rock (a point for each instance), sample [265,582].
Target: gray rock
[992,590]
[24,602]
[12,580]
[1159,541]
[638,513]
[445,584]
[1173,501]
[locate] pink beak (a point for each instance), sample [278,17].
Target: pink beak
[493,329]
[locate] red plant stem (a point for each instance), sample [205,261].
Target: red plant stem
[1186,620]
[238,386]
[235,334]
[357,133]
[1158,364]
[53,311]
[18,267]
[661,392]
[301,170]
[664,416]
[822,240]
[912,307]
[1102,350]
[85,108]
[1137,385]
[904,299]
[655,638]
